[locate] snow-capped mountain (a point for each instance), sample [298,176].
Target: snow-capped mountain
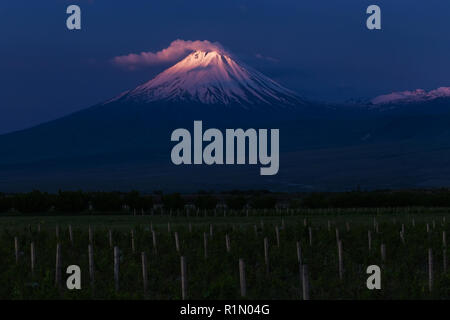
[212,77]
[415,96]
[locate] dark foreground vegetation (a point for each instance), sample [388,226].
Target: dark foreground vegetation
[410,249]
[79,202]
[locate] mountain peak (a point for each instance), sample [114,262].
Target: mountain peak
[417,95]
[212,77]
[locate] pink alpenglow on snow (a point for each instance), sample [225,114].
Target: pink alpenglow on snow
[174,52]
[212,76]
[412,96]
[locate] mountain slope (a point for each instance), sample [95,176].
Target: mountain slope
[209,77]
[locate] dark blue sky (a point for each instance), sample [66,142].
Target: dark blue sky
[323,49]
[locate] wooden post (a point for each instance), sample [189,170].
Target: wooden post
[383,252]
[33,258]
[91,264]
[430,269]
[177,243]
[227,242]
[144,271]
[305,281]
[266,253]
[428,228]
[337,236]
[132,241]
[70,234]
[183,278]
[369,237]
[341,265]
[242,278]
[154,242]
[116,268]
[58,282]
[277,233]
[205,244]
[310,236]
[16,249]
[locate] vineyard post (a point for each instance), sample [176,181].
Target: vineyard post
[91,236]
[110,238]
[116,268]
[154,241]
[205,244]
[428,228]
[16,249]
[305,281]
[329,226]
[33,258]
[58,266]
[310,236]
[183,278]
[70,234]
[444,239]
[132,241]
[430,269]
[341,266]
[91,264]
[337,235]
[347,225]
[177,242]
[242,277]
[383,252]
[39,228]
[227,242]
[277,233]
[266,253]
[144,271]
[444,259]
[299,253]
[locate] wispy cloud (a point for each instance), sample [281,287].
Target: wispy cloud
[260,56]
[177,50]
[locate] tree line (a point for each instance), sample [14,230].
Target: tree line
[118,202]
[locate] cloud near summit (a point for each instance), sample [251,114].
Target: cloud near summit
[177,50]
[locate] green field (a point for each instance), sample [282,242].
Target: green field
[405,272]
